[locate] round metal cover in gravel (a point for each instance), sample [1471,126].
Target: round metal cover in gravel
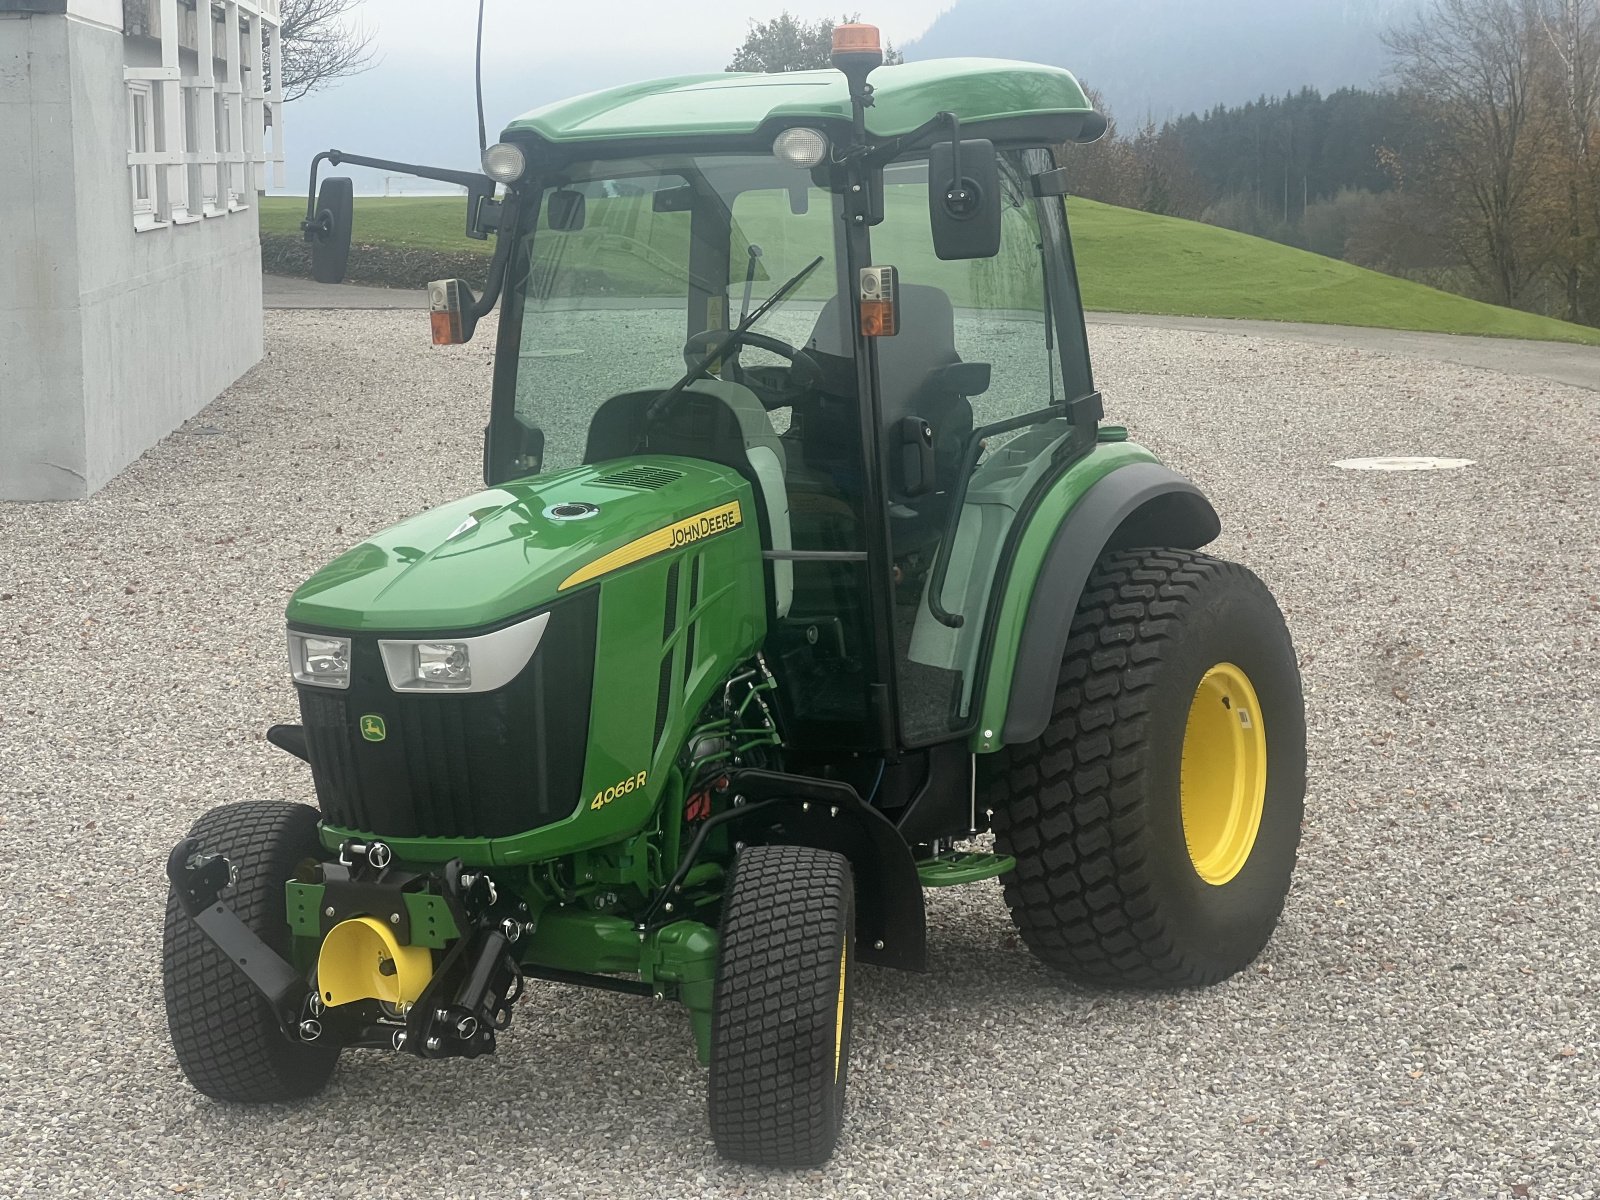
[1423,1024]
[1403,463]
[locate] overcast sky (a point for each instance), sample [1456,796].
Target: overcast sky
[417,104]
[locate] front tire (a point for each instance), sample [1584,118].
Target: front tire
[1155,822]
[227,1040]
[780,1033]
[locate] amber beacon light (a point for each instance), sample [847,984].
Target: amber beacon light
[857,50]
[857,39]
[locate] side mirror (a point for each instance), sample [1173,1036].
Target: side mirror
[915,456]
[565,210]
[329,230]
[964,199]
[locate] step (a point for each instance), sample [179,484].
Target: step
[948,870]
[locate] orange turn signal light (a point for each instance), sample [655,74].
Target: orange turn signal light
[880,287]
[878,319]
[444,312]
[857,39]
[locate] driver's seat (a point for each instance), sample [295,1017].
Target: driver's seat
[723,423]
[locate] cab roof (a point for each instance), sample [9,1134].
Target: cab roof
[981,91]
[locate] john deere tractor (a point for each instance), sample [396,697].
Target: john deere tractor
[805,561]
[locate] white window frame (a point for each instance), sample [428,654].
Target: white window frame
[204,136]
[142,162]
[178,190]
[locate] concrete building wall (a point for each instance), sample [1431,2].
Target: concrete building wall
[109,338]
[43,450]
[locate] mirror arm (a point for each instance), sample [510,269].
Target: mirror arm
[481,306]
[473,181]
[955,157]
[310,227]
[480,189]
[922,135]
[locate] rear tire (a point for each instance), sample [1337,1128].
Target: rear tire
[780,1033]
[223,1031]
[1155,822]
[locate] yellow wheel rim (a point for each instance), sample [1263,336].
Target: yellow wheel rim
[1223,781]
[838,1024]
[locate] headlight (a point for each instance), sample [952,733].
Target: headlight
[317,659]
[470,664]
[504,162]
[428,666]
[800,147]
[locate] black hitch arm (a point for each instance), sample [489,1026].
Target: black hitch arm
[197,881]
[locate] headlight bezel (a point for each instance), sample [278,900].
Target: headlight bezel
[492,660]
[300,656]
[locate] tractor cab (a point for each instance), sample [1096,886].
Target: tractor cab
[921,370]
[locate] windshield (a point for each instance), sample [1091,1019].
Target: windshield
[663,252]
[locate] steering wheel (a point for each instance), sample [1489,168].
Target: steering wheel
[804,373]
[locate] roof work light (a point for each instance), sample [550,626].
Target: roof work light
[504,162]
[800,146]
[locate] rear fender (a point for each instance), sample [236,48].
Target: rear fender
[1135,503]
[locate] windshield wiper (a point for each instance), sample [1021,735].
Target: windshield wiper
[656,407]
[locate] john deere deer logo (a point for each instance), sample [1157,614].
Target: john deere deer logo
[373,728]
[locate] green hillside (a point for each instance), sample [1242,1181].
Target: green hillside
[1128,261]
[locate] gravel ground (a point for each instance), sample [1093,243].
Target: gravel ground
[1422,1026]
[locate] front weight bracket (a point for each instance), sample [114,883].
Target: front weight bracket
[198,879]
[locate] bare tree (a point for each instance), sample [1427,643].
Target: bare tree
[1104,170]
[320,43]
[1572,92]
[1474,66]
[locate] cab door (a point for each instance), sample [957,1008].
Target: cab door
[971,409]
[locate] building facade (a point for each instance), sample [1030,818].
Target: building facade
[136,136]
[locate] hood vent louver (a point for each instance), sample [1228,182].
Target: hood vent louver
[648,479]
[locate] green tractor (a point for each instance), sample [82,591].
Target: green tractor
[805,560]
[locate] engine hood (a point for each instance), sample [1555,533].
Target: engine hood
[494,556]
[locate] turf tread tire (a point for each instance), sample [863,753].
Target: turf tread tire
[1103,889]
[775,1099]
[223,1031]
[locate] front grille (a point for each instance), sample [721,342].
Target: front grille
[480,765]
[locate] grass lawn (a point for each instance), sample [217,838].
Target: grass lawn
[414,222]
[1128,261]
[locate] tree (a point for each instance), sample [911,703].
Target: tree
[786,43]
[319,44]
[1572,92]
[1104,170]
[1474,68]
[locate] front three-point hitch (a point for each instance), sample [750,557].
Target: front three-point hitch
[421,963]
